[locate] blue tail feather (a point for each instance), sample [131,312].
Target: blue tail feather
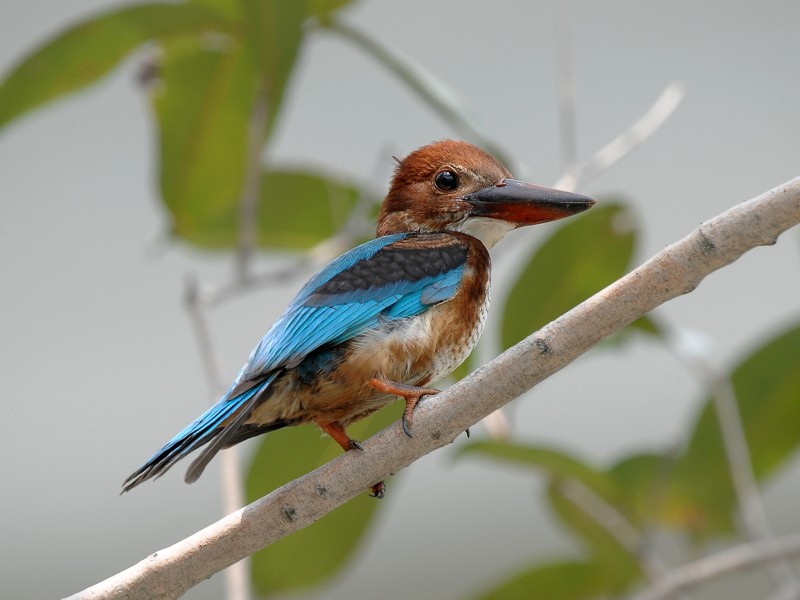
[205,428]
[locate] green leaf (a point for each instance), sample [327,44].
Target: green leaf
[84,53]
[642,482]
[646,325]
[232,9]
[768,394]
[320,206]
[324,9]
[206,110]
[556,464]
[276,30]
[310,556]
[203,108]
[583,256]
[565,580]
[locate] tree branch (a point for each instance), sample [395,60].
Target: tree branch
[676,270]
[733,559]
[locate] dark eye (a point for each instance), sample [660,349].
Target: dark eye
[446,180]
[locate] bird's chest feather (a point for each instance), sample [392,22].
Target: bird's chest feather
[417,350]
[422,349]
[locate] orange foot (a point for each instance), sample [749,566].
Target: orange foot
[337,432]
[411,394]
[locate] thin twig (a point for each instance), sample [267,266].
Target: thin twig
[732,560]
[628,140]
[356,226]
[441,98]
[194,306]
[614,522]
[676,270]
[236,576]
[251,188]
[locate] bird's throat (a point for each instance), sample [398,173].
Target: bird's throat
[487,230]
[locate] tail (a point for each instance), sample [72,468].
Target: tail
[219,423]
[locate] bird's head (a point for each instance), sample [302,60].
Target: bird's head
[454,186]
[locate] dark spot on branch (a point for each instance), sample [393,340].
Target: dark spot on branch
[706,245]
[289,512]
[322,490]
[542,346]
[435,435]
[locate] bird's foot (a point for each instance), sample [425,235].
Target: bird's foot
[410,393]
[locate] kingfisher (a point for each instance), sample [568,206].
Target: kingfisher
[383,320]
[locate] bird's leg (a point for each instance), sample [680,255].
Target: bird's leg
[410,393]
[339,435]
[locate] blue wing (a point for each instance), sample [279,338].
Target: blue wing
[392,277]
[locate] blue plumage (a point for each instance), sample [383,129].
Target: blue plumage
[336,305]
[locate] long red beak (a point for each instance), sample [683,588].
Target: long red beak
[525,203]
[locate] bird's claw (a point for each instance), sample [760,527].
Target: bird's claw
[406,422]
[356,445]
[378,490]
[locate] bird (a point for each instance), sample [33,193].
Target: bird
[384,320]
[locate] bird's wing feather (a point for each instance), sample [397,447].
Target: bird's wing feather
[391,277]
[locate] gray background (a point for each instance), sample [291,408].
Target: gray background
[99,364]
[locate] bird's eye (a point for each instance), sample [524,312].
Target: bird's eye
[446,180]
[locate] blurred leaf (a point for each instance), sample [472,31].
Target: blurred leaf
[555,463]
[206,107]
[583,256]
[203,110]
[309,556]
[319,204]
[645,325]
[82,54]
[323,9]
[232,9]
[320,207]
[619,566]
[276,30]
[553,581]
[768,394]
[642,483]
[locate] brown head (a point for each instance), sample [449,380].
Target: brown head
[455,186]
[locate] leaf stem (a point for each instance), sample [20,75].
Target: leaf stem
[432,90]
[251,189]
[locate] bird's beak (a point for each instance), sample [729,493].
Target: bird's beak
[524,203]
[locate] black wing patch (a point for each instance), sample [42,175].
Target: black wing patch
[394,263]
